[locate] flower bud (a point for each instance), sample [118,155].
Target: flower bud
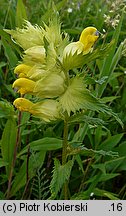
[35,54]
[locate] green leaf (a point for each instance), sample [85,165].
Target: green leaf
[20,13]
[103,177]
[8,142]
[8,39]
[81,117]
[112,165]
[6,109]
[79,161]
[9,53]
[109,99]
[77,97]
[104,193]
[111,142]
[44,144]
[91,152]
[121,149]
[3,163]
[100,167]
[35,161]
[61,173]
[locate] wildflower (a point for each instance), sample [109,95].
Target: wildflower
[47,110]
[22,70]
[42,72]
[88,37]
[69,10]
[73,53]
[115,10]
[23,104]
[24,85]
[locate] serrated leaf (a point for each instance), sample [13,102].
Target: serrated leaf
[84,118]
[61,173]
[91,152]
[77,97]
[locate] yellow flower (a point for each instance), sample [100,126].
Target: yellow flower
[47,110]
[22,70]
[74,52]
[23,104]
[24,85]
[88,37]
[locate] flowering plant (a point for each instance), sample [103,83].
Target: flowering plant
[50,72]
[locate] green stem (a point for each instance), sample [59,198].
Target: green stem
[14,157]
[65,142]
[64,152]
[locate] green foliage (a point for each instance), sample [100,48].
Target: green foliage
[61,174]
[21,14]
[35,161]
[8,141]
[40,188]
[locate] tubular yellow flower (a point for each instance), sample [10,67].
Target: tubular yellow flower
[74,52]
[22,70]
[24,85]
[47,110]
[88,37]
[23,104]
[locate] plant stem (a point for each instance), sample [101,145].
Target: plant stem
[64,152]
[65,142]
[14,157]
